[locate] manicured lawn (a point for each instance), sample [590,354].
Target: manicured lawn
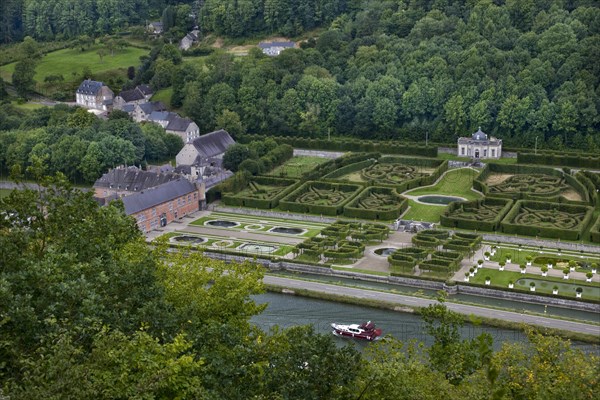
[423,212]
[70,63]
[296,166]
[456,182]
[502,278]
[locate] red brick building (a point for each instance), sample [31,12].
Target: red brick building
[163,204]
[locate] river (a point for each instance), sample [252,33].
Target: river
[289,310]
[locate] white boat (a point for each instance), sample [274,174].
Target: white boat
[365,330]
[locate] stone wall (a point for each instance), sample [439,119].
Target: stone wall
[318,153]
[546,243]
[273,214]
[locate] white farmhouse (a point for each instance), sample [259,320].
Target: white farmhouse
[95,95]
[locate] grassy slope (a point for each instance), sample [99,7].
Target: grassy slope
[68,61]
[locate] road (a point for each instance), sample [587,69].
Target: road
[421,302]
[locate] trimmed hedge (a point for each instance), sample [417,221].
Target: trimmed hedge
[528,170]
[348,144]
[591,181]
[367,204]
[447,255]
[481,215]
[428,242]
[414,252]
[595,232]
[577,160]
[329,166]
[438,265]
[402,260]
[436,233]
[542,211]
[245,199]
[290,202]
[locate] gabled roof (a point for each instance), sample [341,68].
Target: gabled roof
[213,143]
[178,124]
[90,87]
[132,95]
[152,197]
[133,179]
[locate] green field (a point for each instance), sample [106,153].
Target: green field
[70,63]
[163,95]
[27,106]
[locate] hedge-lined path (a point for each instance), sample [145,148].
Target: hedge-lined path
[374,262]
[459,276]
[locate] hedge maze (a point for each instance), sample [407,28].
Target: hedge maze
[261,192]
[377,203]
[551,220]
[595,232]
[483,214]
[390,174]
[320,198]
[537,185]
[342,240]
[434,253]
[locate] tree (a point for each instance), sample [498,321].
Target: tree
[22,77]
[81,118]
[234,156]
[230,121]
[101,53]
[131,73]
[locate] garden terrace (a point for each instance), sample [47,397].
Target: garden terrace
[551,220]
[377,203]
[481,215]
[261,192]
[328,248]
[319,198]
[529,182]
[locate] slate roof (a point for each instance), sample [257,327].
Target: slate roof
[128,108]
[90,87]
[152,197]
[479,137]
[146,90]
[213,144]
[149,108]
[132,95]
[178,124]
[133,179]
[159,116]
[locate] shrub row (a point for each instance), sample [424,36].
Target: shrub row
[348,169]
[266,163]
[414,252]
[425,241]
[436,233]
[481,215]
[438,265]
[448,255]
[349,144]
[506,289]
[356,231]
[401,260]
[575,233]
[327,167]
[576,160]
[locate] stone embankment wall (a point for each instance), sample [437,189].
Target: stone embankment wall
[419,283]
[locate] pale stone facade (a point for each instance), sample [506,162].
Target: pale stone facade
[479,146]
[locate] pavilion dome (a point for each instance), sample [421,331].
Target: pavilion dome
[479,135]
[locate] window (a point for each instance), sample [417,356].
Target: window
[462,150]
[189,198]
[493,152]
[485,152]
[195,196]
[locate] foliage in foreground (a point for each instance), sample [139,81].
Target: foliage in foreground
[87,310]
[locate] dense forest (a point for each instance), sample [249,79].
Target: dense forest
[400,69]
[88,310]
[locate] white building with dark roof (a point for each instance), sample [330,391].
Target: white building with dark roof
[275,48]
[185,128]
[94,95]
[139,95]
[480,146]
[206,150]
[123,181]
